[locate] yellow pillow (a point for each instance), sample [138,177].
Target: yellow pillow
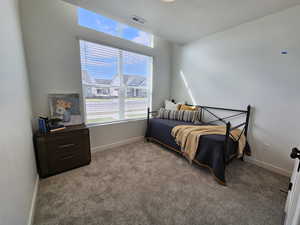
[187,107]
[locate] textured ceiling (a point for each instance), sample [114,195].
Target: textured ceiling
[184,21]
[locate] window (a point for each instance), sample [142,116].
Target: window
[106,25]
[117,84]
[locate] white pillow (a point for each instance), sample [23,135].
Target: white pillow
[170,105]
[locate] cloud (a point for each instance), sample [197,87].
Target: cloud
[143,38]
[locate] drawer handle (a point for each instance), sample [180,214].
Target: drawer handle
[67,157]
[66,146]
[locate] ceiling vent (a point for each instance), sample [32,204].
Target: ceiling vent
[139,20]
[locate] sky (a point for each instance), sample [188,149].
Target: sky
[104,64]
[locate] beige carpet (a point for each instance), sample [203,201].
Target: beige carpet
[142,183]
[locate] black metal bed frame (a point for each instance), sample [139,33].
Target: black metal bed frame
[229,128]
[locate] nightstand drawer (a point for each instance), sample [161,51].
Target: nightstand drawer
[62,162]
[62,151]
[65,144]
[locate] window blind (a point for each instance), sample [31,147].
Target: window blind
[116,83]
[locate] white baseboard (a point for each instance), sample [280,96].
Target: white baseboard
[269,166]
[117,144]
[33,201]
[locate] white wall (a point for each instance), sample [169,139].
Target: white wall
[52,49]
[17,164]
[244,66]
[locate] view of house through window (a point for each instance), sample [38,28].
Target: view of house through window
[116,83]
[106,25]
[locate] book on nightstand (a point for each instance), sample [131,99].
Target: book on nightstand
[58,129]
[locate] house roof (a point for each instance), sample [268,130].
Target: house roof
[129,80]
[89,80]
[86,78]
[103,81]
[134,80]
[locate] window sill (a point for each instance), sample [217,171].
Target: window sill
[90,125]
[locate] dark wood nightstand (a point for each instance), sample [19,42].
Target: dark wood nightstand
[62,150]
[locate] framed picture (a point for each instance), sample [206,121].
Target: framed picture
[65,107]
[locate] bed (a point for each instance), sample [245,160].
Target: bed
[214,151]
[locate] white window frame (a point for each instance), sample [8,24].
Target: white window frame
[122,87]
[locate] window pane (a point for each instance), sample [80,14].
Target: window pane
[136,77]
[136,103]
[97,22]
[106,25]
[137,36]
[98,63]
[100,80]
[116,83]
[102,109]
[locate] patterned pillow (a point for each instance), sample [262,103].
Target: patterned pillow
[197,116]
[183,115]
[188,116]
[163,113]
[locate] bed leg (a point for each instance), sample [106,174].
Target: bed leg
[242,158]
[228,125]
[148,125]
[247,120]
